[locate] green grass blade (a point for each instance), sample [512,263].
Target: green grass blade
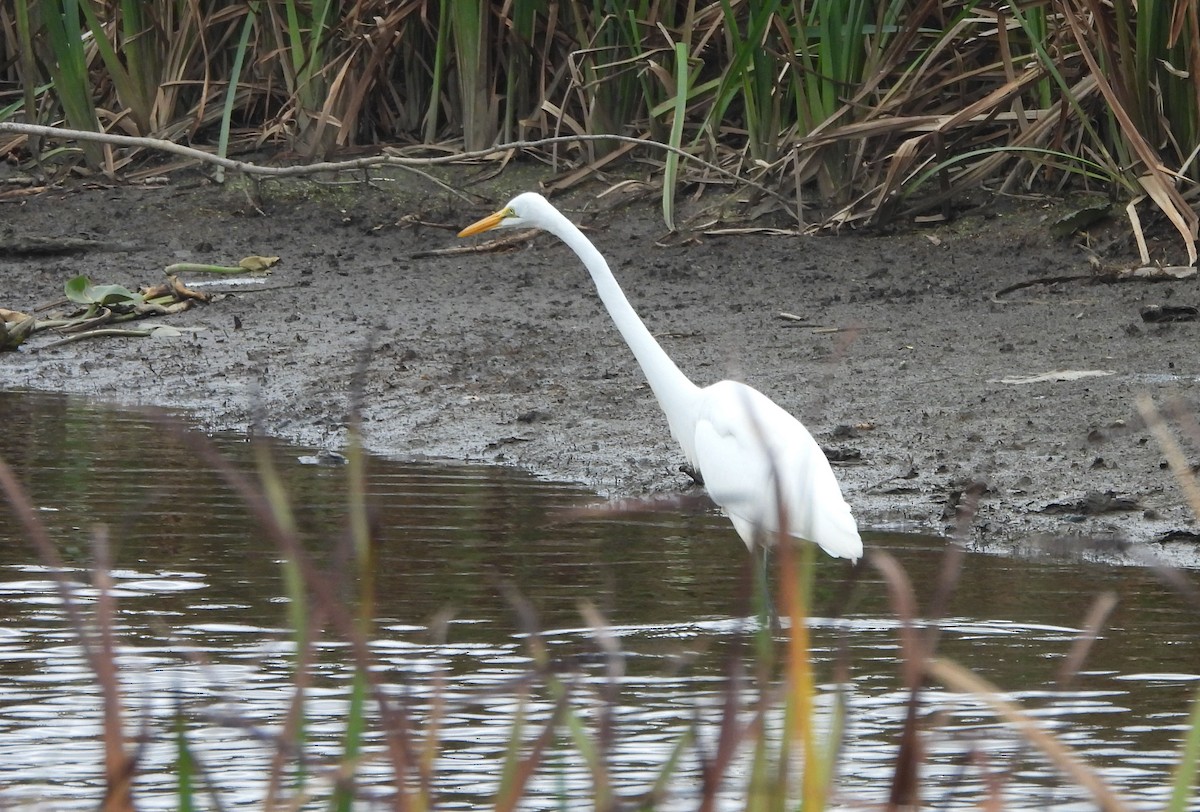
[344,792]
[139,47]
[512,754]
[1064,161]
[356,497]
[28,71]
[1037,29]
[745,50]
[314,63]
[235,75]
[1082,116]
[69,71]
[433,113]
[602,791]
[671,170]
[21,105]
[185,768]
[468,24]
[121,68]
[295,38]
[293,576]
[670,767]
[306,50]
[1185,771]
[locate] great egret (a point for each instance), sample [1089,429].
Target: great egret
[758,463]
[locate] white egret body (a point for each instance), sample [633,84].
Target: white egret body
[758,463]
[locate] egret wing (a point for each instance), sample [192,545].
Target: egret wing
[760,465]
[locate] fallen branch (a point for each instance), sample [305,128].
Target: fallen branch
[390,158]
[1041,280]
[1147,273]
[500,244]
[34,246]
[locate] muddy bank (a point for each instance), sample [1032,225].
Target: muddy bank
[896,354]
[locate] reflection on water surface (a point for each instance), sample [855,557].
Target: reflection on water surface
[203,629]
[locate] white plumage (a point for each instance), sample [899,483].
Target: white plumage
[758,462]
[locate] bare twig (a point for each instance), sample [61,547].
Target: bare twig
[1144,273]
[1041,280]
[499,244]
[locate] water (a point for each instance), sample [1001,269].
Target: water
[203,631]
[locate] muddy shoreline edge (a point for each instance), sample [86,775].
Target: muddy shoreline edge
[894,351]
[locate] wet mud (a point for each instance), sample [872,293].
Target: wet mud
[930,391]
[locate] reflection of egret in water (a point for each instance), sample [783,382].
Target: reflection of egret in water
[758,463]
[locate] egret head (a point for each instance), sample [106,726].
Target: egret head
[528,210]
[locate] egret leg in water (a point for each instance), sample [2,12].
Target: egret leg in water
[758,463]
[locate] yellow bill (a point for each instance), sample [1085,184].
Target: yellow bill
[486,224]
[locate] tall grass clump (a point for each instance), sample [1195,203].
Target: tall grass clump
[859,111]
[62,50]
[1144,57]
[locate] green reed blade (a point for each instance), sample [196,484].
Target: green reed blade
[468,25]
[139,47]
[295,36]
[306,50]
[235,75]
[1182,788]
[519,71]
[69,71]
[185,768]
[1063,161]
[320,24]
[602,790]
[21,105]
[671,170]
[344,792]
[745,50]
[1168,98]
[440,55]
[27,70]
[1037,28]
[360,534]
[284,517]
[121,68]
[1082,117]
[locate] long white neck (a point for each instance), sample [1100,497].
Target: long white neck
[675,393]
